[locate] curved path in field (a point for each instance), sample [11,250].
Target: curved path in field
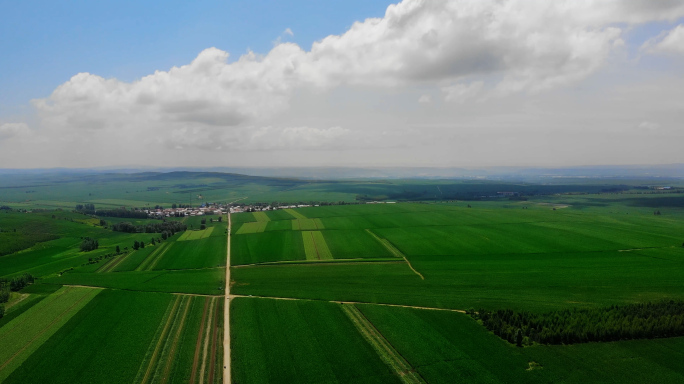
[226,316]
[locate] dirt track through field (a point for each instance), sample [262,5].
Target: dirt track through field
[395,251]
[382,346]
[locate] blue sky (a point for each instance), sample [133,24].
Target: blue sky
[453,83]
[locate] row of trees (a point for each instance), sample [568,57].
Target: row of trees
[86,209]
[122,213]
[170,227]
[635,321]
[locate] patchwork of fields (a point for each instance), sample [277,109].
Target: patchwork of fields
[393,279]
[151,314]
[337,294]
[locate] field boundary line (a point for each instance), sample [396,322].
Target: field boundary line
[103,268]
[395,251]
[385,350]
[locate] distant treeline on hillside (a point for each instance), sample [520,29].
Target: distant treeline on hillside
[89,209]
[167,227]
[635,321]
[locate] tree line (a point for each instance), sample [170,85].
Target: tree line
[168,228]
[571,326]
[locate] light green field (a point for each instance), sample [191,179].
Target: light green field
[296,214]
[261,216]
[255,227]
[196,235]
[315,246]
[26,333]
[307,224]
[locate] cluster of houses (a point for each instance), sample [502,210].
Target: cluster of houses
[205,209]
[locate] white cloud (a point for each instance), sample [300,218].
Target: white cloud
[10,130]
[648,125]
[667,42]
[468,49]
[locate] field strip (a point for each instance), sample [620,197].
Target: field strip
[261,216]
[34,327]
[396,252]
[354,302]
[214,342]
[330,261]
[321,246]
[309,246]
[185,235]
[107,262]
[115,263]
[169,358]
[22,297]
[226,314]
[295,214]
[152,260]
[205,344]
[382,347]
[253,227]
[149,257]
[198,343]
[160,341]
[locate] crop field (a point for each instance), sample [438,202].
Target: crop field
[26,333]
[196,235]
[315,246]
[322,344]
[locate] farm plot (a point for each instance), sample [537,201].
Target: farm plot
[450,347]
[27,332]
[323,344]
[186,346]
[253,227]
[295,214]
[204,253]
[261,216]
[196,234]
[315,246]
[266,247]
[209,281]
[103,343]
[307,224]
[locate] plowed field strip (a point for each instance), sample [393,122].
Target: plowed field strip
[384,349]
[156,256]
[198,344]
[170,358]
[205,349]
[160,342]
[145,263]
[114,263]
[214,342]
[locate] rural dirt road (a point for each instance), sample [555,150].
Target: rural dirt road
[226,316]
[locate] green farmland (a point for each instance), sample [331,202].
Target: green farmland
[374,293]
[404,272]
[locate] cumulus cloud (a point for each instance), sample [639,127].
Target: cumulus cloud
[9,130]
[457,46]
[667,42]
